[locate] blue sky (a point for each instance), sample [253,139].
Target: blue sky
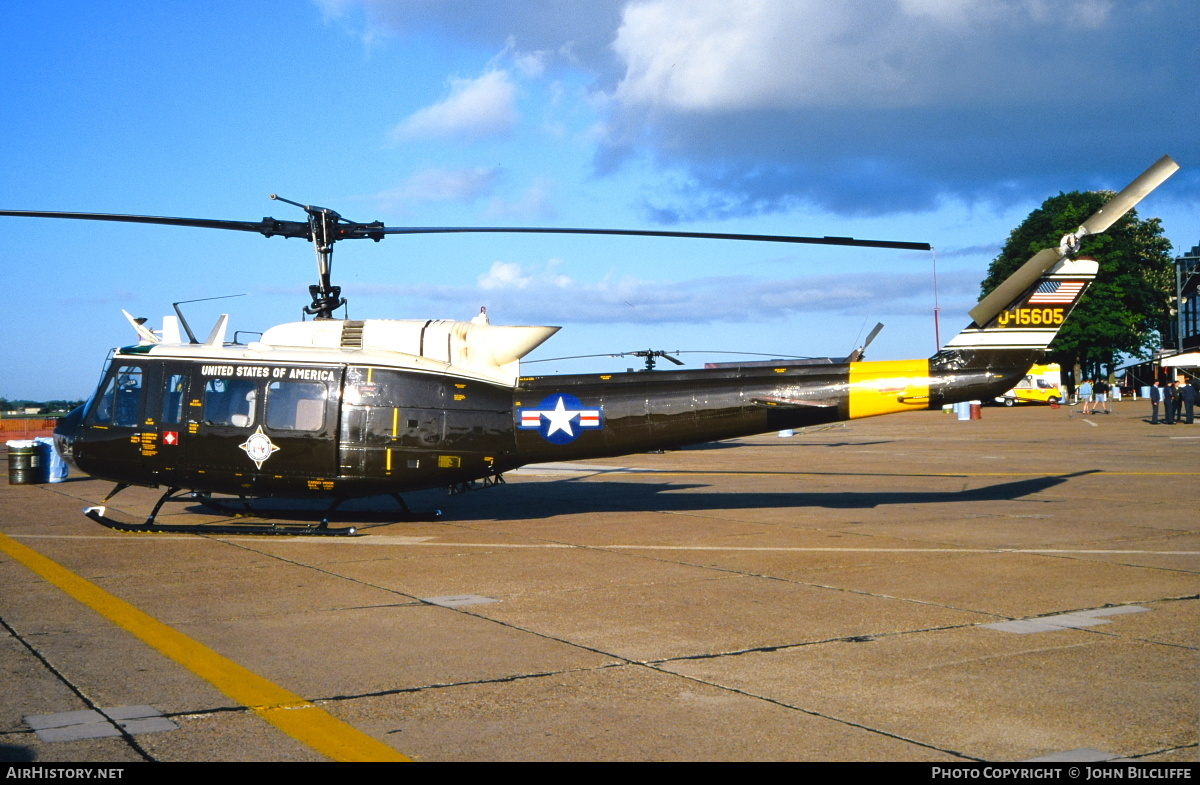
[943,121]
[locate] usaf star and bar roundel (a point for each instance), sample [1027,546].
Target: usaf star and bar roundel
[560,418]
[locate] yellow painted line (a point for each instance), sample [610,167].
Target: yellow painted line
[304,721]
[430,542]
[686,473]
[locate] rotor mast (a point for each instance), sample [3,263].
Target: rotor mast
[326,298]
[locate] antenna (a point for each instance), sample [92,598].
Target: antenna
[186,327]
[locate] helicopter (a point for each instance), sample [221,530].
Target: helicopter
[334,409]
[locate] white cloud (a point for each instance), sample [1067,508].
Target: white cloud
[510,275]
[441,185]
[504,275]
[712,55]
[867,107]
[334,9]
[859,107]
[534,203]
[531,64]
[475,108]
[581,31]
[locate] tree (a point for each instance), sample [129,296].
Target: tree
[1125,309]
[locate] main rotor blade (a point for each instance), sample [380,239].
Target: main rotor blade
[1130,195]
[267,226]
[766,238]
[345,230]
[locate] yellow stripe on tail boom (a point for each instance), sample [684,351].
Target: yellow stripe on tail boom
[888,387]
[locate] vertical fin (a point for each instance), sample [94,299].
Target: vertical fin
[170,331]
[1032,318]
[217,336]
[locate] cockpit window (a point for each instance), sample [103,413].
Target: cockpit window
[121,401]
[230,402]
[296,406]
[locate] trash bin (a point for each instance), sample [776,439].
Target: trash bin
[976,409]
[24,463]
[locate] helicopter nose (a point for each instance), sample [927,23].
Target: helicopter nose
[64,436]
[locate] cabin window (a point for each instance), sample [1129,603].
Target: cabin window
[122,399]
[296,406]
[174,398]
[230,402]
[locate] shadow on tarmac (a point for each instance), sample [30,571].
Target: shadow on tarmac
[576,496]
[544,500]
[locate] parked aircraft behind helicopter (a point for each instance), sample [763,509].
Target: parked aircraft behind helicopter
[337,409]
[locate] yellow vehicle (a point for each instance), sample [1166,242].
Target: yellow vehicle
[1043,384]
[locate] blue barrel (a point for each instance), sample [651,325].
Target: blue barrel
[55,467]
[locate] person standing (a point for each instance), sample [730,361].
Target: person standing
[1156,395]
[1085,395]
[1187,400]
[1100,396]
[1169,392]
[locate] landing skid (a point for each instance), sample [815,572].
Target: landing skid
[99,515]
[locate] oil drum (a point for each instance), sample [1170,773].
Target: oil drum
[24,463]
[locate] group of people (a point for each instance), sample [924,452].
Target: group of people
[1177,398]
[1093,394]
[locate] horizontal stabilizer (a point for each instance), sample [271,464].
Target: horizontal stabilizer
[145,334]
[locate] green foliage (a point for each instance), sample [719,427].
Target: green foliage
[1125,309]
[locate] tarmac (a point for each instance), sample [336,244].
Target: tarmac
[905,588]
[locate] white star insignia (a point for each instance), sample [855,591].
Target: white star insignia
[560,419]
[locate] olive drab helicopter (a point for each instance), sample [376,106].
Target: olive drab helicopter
[333,409]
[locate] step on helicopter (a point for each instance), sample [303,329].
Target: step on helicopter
[334,409]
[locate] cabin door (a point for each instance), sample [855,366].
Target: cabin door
[165,426]
[264,429]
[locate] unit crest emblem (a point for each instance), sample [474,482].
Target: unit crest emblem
[259,447]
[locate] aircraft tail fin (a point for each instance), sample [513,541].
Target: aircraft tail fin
[1026,311]
[1032,318]
[987,359]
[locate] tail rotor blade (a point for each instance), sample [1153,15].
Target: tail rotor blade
[1103,218]
[1016,283]
[1129,196]
[871,335]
